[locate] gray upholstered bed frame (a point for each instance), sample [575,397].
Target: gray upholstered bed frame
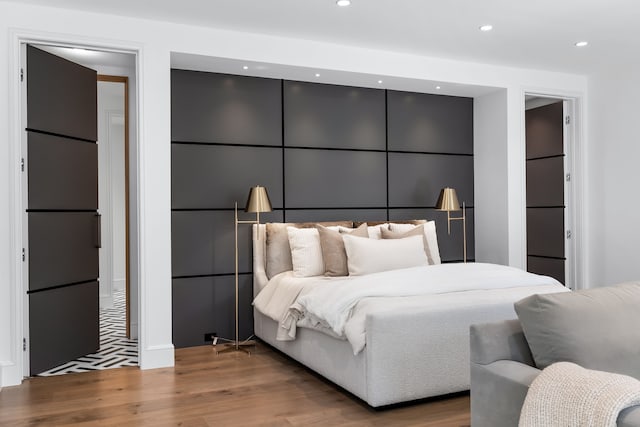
[409,354]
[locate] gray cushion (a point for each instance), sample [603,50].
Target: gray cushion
[278,250]
[595,328]
[334,255]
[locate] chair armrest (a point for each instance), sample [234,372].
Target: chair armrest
[498,391]
[499,341]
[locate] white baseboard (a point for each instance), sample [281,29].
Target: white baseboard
[9,374]
[118,285]
[157,356]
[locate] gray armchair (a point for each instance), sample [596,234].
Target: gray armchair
[502,368]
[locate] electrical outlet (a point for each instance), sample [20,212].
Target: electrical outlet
[209,336]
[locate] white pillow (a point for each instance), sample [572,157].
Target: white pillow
[366,256]
[430,234]
[374,231]
[306,252]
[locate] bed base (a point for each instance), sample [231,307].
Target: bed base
[410,354]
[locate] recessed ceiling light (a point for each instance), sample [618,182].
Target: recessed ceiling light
[438,87]
[343,3]
[245,67]
[380,81]
[486,27]
[317,74]
[582,44]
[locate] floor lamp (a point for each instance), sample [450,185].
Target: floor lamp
[448,201]
[257,202]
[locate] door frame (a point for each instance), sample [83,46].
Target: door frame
[19,368]
[574,164]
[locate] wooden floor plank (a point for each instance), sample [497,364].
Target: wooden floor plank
[205,389]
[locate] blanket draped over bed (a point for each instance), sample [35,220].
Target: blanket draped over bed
[339,306]
[565,394]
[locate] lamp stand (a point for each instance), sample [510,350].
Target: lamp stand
[236,345]
[463,218]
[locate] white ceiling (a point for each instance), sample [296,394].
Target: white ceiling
[532,34]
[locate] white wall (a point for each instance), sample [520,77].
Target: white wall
[155,41]
[130,73]
[111,189]
[614,152]
[491,146]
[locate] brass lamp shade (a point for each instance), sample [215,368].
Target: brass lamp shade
[258,200]
[448,200]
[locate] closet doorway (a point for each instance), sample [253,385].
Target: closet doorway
[110,329]
[549,187]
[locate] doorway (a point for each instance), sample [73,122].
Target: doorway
[548,130]
[111,236]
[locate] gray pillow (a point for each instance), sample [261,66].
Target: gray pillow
[278,250]
[596,328]
[334,254]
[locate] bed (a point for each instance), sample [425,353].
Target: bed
[407,346]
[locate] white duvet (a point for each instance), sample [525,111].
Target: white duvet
[339,306]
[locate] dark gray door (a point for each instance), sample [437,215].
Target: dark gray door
[63,221]
[545,191]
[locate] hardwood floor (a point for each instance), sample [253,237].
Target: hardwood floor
[205,389]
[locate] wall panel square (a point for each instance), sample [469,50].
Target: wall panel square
[544,131]
[545,232]
[203,242]
[332,116]
[207,304]
[224,108]
[334,179]
[415,180]
[214,177]
[305,215]
[430,123]
[547,266]
[545,182]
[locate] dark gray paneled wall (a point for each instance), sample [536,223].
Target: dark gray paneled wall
[324,152]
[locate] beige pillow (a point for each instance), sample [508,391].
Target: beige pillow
[278,250]
[333,252]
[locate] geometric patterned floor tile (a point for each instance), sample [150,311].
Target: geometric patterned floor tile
[116,350]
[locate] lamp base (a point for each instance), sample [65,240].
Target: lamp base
[237,346]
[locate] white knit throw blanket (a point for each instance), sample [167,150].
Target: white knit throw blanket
[567,395]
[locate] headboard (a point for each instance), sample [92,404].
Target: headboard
[260,278]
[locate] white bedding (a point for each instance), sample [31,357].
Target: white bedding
[339,306]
